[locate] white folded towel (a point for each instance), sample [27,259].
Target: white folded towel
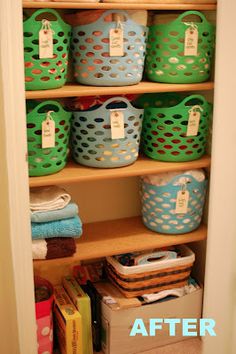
[164,178]
[48,198]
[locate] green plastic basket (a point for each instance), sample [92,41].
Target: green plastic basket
[164,130]
[41,74]
[50,160]
[166,62]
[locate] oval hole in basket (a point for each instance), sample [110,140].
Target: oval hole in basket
[45,78]
[174,33]
[28,49]
[48,107]
[191,18]
[46,16]
[155,259]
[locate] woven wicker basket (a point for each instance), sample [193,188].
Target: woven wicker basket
[135,281]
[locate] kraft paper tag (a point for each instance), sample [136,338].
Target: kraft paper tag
[117,125]
[48,133]
[182,202]
[193,123]
[191,41]
[45,41]
[116,42]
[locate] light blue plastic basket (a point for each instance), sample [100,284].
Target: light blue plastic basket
[159,202]
[92,62]
[91,136]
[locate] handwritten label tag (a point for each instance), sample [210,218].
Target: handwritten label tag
[48,133]
[116,42]
[191,41]
[182,202]
[45,41]
[193,123]
[117,125]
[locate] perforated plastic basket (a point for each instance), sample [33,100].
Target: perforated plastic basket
[166,61]
[44,318]
[50,160]
[92,61]
[45,73]
[164,129]
[159,203]
[92,144]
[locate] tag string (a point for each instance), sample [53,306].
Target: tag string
[183,187]
[119,24]
[195,108]
[46,26]
[49,117]
[192,25]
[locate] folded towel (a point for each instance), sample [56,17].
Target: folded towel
[163,179]
[69,211]
[56,247]
[60,228]
[48,198]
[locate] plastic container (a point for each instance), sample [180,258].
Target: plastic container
[159,205]
[48,160]
[164,134]
[155,276]
[93,64]
[166,61]
[46,73]
[92,143]
[44,318]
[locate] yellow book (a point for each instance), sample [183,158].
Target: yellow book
[68,323]
[82,303]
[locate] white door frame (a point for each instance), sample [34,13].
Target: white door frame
[222,217]
[220,285]
[13,121]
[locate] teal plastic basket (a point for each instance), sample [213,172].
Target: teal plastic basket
[91,140]
[159,202]
[166,62]
[93,64]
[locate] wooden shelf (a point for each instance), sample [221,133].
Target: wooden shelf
[74,173]
[106,238]
[160,5]
[142,87]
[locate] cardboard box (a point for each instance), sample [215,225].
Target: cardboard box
[68,323]
[82,303]
[117,323]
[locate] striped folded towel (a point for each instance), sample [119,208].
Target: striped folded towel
[56,247]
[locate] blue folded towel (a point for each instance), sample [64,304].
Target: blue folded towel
[69,211]
[60,228]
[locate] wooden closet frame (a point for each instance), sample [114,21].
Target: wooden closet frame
[221,222]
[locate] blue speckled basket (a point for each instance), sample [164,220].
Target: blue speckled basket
[92,62]
[91,136]
[158,206]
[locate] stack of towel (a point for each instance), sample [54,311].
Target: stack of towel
[54,223]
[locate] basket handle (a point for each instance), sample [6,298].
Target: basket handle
[192,97]
[187,13]
[50,11]
[156,257]
[120,99]
[52,103]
